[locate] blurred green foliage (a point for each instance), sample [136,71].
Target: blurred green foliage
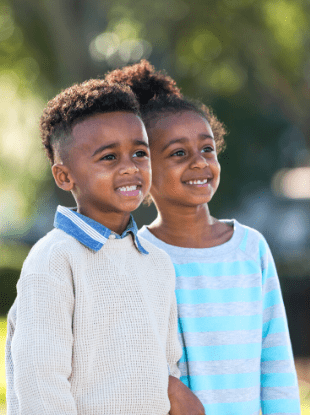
[22,164]
[248,59]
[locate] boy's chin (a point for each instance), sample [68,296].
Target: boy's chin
[130,206]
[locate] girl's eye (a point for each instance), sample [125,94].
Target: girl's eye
[179,153]
[108,157]
[140,153]
[207,149]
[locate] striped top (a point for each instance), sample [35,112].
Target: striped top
[237,355]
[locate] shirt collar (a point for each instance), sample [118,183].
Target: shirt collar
[90,232]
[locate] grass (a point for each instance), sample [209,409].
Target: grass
[304,387]
[2,366]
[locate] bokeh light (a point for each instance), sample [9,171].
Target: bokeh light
[292,183]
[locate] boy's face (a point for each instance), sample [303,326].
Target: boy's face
[109,166]
[185,168]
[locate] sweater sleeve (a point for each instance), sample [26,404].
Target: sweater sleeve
[41,347]
[173,347]
[279,387]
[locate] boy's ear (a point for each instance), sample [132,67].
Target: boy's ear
[62,177]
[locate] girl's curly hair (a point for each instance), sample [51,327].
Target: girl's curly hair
[79,102]
[158,93]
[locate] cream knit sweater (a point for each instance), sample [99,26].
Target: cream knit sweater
[91,333]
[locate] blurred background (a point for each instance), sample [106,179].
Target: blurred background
[248,59]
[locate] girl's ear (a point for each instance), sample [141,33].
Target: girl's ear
[62,177]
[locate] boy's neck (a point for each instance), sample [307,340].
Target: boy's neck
[190,227]
[115,221]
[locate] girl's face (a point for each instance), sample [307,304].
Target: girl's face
[185,168]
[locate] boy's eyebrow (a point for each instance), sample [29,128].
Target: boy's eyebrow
[137,142]
[141,143]
[104,147]
[184,139]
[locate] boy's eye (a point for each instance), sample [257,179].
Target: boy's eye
[179,153]
[108,157]
[207,149]
[140,153]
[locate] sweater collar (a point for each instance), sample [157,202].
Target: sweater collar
[90,232]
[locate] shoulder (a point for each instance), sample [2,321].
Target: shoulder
[252,242]
[254,234]
[155,254]
[153,250]
[56,250]
[157,266]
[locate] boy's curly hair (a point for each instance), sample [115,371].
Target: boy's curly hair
[158,93]
[79,102]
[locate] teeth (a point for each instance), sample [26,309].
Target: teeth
[198,181]
[127,188]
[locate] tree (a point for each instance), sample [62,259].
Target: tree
[248,59]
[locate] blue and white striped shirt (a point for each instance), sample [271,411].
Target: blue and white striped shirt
[237,355]
[90,232]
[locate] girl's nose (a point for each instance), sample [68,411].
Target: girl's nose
[198,161]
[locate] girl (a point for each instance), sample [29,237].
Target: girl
[237,355]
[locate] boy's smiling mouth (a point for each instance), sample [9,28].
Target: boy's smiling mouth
[130,190]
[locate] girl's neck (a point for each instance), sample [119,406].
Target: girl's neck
[190,227]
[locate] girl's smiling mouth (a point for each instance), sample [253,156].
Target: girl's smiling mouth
[198,182]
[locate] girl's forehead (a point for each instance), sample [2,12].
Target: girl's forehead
[167,125]
[172,119]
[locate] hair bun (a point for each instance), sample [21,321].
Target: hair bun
[145,81]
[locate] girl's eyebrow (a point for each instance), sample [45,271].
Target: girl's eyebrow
[176,140]
[182,140]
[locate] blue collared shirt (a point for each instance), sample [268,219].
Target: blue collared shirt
[90,232]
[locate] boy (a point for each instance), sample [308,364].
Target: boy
[93,328]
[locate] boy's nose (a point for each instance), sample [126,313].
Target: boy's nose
[198,161]
[128,167]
